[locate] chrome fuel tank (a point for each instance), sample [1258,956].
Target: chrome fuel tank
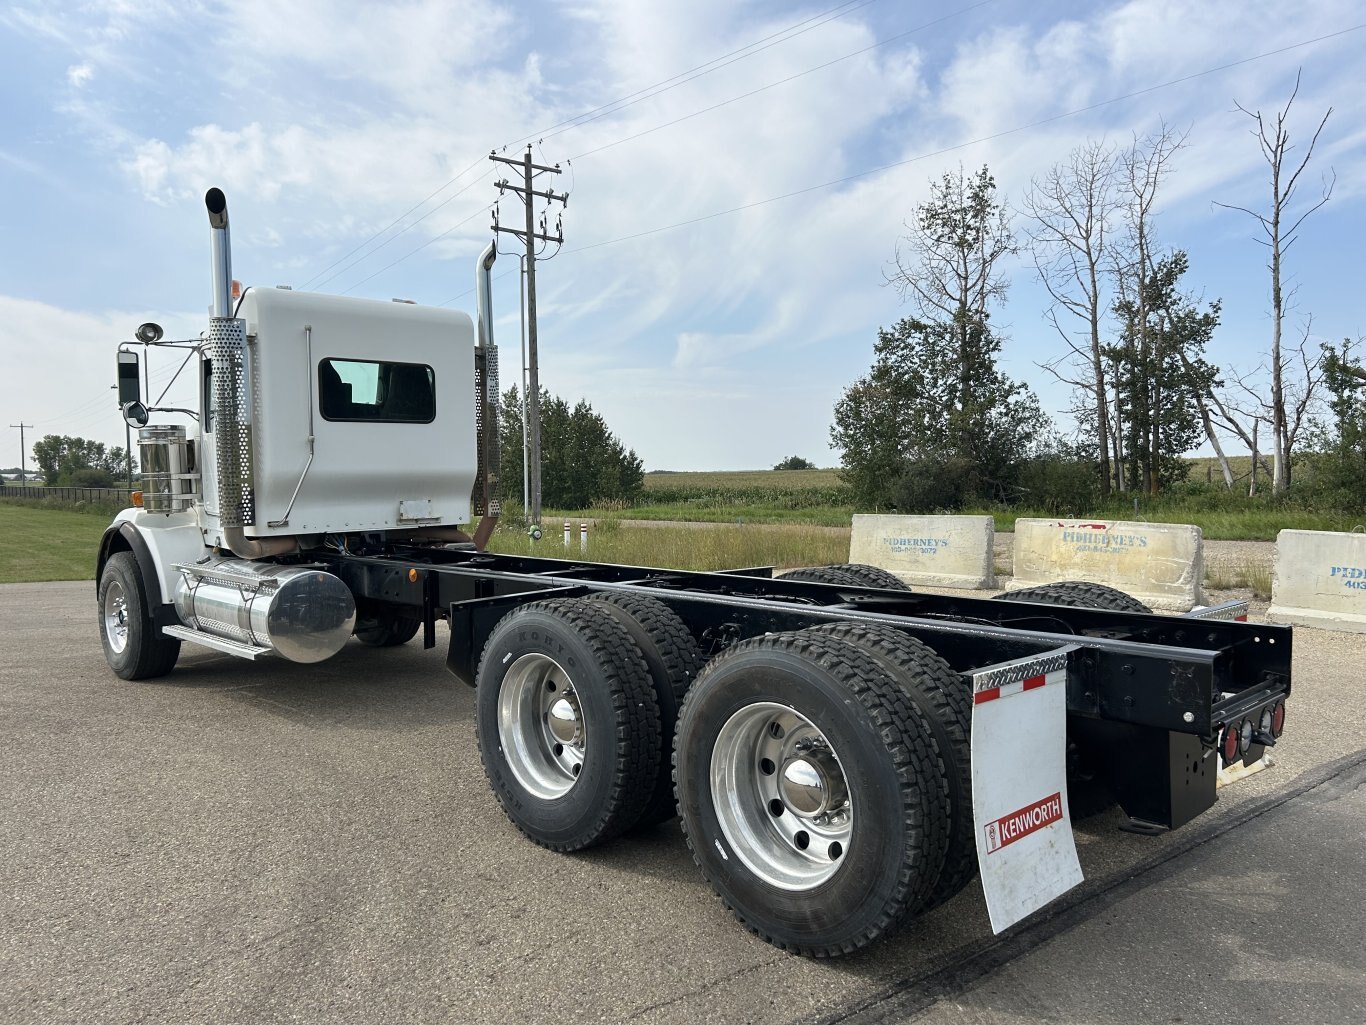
[303,613]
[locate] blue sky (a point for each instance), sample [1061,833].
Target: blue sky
[722,344]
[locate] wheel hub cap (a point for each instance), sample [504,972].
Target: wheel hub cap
[540,726]
[812,783]
[563,720]
[780,796]
[115,617]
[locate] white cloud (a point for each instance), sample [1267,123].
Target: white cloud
[66,360]
[326,119]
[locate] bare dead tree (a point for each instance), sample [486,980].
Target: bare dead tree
[946,266]
[1280,225]
[1142,167]
[1299,397]
[1073,209]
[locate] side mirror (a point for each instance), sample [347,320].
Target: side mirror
[135,413]
[130,387]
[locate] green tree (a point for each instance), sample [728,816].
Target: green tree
[795,463]
[936,424]
[60,458]
[945,266]
[1338,468]
[919,434]
[582,461]
[1160,372]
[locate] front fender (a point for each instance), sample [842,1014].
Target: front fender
[124,537]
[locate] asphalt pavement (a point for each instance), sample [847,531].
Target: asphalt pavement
[269,842]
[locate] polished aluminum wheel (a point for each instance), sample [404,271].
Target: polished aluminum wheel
[540,726]
[781,797]
[115,615]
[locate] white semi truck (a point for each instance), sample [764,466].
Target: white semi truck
[843,754]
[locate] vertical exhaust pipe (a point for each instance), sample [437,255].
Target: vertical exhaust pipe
[486,401]
[217,205]
[232,427]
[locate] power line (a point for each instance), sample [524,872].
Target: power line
[419,203]
[406,228]
[412,252]
[782,81]
[651,91]
[847,7]
[971,142]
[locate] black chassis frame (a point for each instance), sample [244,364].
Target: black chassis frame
[1147,695]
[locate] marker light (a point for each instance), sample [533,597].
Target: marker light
[136,499]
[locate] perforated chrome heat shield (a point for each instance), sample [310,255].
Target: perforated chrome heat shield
[232,423]
[487,403]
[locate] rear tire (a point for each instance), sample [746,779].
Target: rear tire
[134,646]
[849,574]
[567,723]
[1087,794]
[673,659]
[944,696]
[809,791]
[1078,594]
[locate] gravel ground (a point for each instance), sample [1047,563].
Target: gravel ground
[270,842]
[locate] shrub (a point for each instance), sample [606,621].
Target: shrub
[1060,485]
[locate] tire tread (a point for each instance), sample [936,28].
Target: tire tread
[626,681]
[902,725]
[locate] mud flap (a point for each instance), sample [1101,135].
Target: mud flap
[1025,846]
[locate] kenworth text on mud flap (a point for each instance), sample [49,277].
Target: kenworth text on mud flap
[843,754]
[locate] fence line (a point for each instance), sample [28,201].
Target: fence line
[109,496]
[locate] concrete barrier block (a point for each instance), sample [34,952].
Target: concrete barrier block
[938,551]
[1161,564]
[1320,580]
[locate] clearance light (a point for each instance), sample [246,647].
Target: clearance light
[136,499]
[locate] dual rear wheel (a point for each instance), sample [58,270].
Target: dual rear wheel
[821,775]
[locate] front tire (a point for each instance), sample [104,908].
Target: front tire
[134,646]
[809,790]
[567,723]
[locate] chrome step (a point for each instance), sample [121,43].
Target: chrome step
[237,648]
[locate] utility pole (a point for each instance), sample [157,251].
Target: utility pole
[23,449]
[530,236]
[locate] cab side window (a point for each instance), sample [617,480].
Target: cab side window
[371,391]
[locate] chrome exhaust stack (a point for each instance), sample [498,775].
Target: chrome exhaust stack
[486,396]
[232,421]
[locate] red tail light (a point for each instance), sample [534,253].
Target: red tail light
[1278,719]
[1230,746]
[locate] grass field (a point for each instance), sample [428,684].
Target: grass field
[48,544]
[695,548]
[817,498]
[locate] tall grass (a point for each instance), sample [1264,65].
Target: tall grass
[692,548]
